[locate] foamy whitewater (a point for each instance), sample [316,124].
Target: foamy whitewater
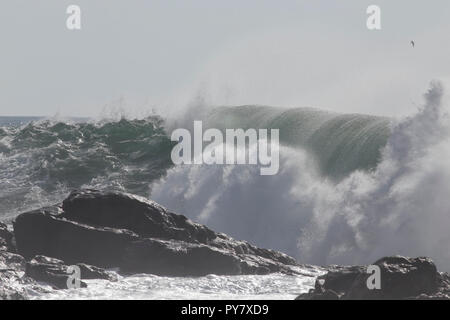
[351,188]
[250,287]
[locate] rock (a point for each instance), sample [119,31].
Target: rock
[125,211]
[162,257]
[56,273]
[401,278]
[41,233]
[15,272]
[6,239]
[148,219]
[339,280]
[119,230]
[51,271]
[321,294]
[333,284]
[92,272]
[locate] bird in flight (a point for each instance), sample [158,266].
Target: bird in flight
[413,43]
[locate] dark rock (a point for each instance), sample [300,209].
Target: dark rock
[15,273]
[111,229]
[92,272]
[6,239]
[40,233]
[125,211]
[87,271]
[162,257]
[341,279]
[148,219]
[321,294]
[56,273]
[51,271]
[401,278]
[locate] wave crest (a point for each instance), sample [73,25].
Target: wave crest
[399,207]
[41,161]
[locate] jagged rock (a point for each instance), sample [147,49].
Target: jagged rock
[148,219]
[6,239]
[93,272]
[112,229]
[15,272]
[320,294]
[401,278]
[56,273]
[125,211]
[51,271]
[42,264]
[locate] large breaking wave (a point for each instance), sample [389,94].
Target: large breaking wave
[390,195]
[351,188]
[339,143]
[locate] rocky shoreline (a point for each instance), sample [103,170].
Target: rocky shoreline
[400,278]
[98,231]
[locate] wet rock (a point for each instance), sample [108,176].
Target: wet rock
[148,219]
[41,233]
[125,211]
[112,229]
[320,294]
[51,271]
[401,278]
[92,272]
[56,272]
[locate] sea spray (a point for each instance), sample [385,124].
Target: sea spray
[41,161]
[399,206]
[350,188]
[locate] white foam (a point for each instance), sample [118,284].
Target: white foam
[401,207]
[149,287]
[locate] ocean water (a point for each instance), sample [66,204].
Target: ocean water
[351,188]
[150,287]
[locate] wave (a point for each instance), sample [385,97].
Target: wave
[351,188]
[400,206]
[42,160]
[340,143]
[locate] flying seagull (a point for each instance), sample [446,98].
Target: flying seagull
[413,43]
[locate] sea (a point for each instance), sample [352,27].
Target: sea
[351,188]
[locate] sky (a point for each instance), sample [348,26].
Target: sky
[138,55]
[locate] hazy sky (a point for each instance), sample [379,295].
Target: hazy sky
[169,53]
